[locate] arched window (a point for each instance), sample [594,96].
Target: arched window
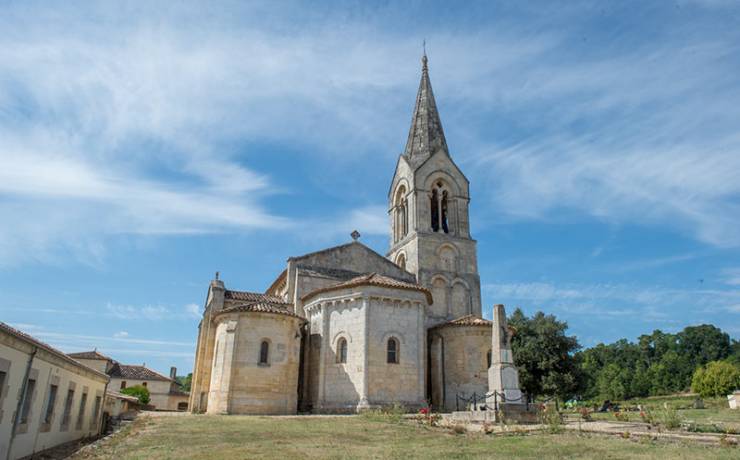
[144,384]
[401,261]
[443,207]
[439,207]
[400,214]
[265,352]
[489,355]
[435,211]
[123,385]
[342,350]
[392,351]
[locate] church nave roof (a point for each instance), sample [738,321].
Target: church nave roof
[372,279]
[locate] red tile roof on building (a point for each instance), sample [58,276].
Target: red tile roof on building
[89,355]
[250,297]
[372,279]
[261,307]
[125,371]
[467,320]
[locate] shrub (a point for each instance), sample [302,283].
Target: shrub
[139,391]
[427,417]
[552,419]
[621,416]
[646,416]
[670,418]
[585,414]
[718,378]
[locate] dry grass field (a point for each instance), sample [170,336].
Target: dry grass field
[244,437]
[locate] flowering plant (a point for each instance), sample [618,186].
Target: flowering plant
[426,417]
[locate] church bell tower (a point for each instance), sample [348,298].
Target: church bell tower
[428,207]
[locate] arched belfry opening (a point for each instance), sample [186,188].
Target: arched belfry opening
[439,202]
[400,214]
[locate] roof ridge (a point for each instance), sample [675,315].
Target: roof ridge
[38,343]
[373,279]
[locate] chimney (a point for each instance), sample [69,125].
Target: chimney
[173,372]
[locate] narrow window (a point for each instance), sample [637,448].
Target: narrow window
[143,384]
[488,358]
[96,412]
[265,352]
[26,409]
[392,354]
[81,414]
[445,226]
[50,403]
[404,218]
[123,385]
[68,407]
[435,210]
[342,351]
[2,383]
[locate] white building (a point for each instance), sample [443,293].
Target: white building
[46,397]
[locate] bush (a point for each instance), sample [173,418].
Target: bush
[389,414]
[669,418]
[718,378]
[139,391]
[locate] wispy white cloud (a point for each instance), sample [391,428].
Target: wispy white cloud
[605,300]
[144,313]
[193,310]
[624,135]
[731,276]
[94,340]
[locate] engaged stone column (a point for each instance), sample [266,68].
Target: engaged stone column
[503,377]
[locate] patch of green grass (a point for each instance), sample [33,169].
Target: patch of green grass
[716,412]
[239,437]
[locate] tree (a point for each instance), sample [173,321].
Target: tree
[184,382]
[702,344]
[139,391]
[544,355]
[717,378]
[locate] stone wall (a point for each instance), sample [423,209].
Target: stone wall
[366,317]
[459,363]
[402,382]
[159,391]
[240,384]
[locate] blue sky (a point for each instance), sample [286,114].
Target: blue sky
[144,146]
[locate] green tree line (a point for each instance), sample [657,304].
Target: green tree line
[552,363]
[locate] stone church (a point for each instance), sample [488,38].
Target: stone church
[346,328]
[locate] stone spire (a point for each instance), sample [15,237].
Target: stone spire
[426,135]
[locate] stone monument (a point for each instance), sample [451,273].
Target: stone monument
[503,377]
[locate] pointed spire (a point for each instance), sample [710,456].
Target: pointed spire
[426,135]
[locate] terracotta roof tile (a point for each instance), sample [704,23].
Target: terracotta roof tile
[251,297]
[467,320]
[373,279]
[280,308]
[125,371]
[89,355]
